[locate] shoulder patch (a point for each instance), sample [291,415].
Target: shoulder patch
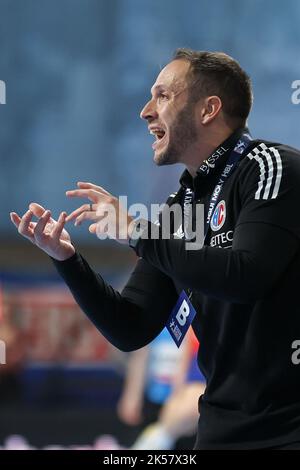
[270,166]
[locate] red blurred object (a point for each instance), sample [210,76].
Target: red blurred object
[52,326]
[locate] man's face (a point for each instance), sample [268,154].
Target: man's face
[171,115]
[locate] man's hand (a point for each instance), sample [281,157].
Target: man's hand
[49,235]
[109,218]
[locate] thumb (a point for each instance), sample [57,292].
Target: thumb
[36,209]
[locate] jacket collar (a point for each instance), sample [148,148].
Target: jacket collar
[211,166]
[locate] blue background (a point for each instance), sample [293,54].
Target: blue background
[79,71]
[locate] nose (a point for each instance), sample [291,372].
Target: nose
[149,112]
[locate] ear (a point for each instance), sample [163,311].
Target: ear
[210,108]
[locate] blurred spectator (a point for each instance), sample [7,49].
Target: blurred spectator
[162,386]
[149,380]
[179,414]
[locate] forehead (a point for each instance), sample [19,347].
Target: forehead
[173,76]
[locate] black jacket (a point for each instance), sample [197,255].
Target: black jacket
[245,284]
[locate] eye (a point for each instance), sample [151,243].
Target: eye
[162,97]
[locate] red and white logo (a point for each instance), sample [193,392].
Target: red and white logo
[219,216]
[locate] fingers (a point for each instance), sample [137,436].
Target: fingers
[39,234]
[87,215]
[82,185]
[59,226]
[15,219]
[77,212]
[36,209]
[94,193]
[91,194]
[93,228]
[24,224]
[101,232]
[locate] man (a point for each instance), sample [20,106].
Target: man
[244,281]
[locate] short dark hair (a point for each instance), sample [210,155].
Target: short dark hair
[216,73]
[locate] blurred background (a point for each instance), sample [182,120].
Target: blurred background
[77,74]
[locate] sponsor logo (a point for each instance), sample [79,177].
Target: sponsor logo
[222,238]
[219,216]
[240,146]
[211,160]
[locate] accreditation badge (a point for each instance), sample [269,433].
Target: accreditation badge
[181,318]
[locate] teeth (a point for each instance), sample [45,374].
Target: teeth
[158,133]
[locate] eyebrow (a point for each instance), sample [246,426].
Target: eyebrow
[158,88]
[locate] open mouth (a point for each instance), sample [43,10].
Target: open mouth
[159,134]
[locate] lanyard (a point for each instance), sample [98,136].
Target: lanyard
[183,313]
[232,162]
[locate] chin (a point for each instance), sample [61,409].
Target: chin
[158,159]
[165,158]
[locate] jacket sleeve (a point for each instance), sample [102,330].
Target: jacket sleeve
[265,241]
[250,270]
[130,319]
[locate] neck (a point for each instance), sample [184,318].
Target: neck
[204,148]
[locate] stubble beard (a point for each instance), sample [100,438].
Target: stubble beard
[182,135]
